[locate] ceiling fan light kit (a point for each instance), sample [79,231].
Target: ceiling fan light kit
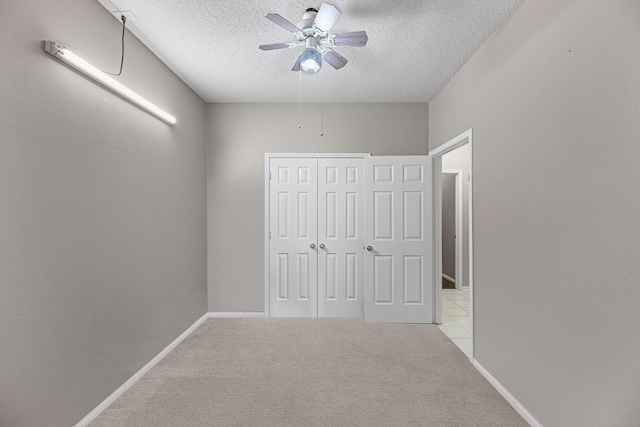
[310,58]
[312,32]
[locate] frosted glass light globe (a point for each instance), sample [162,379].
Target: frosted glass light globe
[310,61]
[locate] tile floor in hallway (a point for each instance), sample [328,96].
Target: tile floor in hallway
[455,317]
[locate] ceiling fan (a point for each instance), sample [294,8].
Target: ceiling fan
[312,32]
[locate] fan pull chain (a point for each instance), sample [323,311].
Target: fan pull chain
[321,105]
[300,102]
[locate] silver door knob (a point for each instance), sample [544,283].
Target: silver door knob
[321,245]
[312,246]
[369,248]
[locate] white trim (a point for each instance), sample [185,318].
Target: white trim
[437,153]
[507,396]
[451,279]
[267,211]
[471,288]
[131,381]
[436,163]
[451,145]
[316,155]
[233,314]
[458,226]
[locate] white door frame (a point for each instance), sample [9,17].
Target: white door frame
[457,173]
[267,159]
[437,153]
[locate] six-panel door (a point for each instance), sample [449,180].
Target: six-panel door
[340,237]
[293,261]
[398,239]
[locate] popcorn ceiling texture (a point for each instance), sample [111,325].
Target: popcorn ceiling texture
[414,48]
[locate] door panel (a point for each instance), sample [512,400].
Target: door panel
[383,279]
[413,278]
[340,230]
[293,224]
[383,215]
[398,228]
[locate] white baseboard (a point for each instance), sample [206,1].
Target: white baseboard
[448,278]
[124,387]
[234,314]
[507,396]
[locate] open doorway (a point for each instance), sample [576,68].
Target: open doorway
[452,235]
[454,307]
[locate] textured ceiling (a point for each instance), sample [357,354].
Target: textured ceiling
[414,48]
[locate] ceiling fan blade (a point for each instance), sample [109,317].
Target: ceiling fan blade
[327,16]
[354,39]
[296,66]
[274,46]
[279,20]
[334,59]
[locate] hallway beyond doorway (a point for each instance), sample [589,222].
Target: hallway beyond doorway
[455,317]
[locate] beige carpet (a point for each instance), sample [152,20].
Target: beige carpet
[312,372]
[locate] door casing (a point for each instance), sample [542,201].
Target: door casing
[437,153]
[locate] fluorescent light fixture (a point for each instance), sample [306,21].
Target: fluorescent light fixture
[71,59]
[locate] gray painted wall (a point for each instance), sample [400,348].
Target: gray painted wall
[459,159]
[449,225]
[554,102]
[239,135]
[102,214]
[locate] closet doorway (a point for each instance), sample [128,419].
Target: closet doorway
[349,235]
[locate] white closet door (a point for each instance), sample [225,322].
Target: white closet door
[293,225]
[340,237]
[398,240]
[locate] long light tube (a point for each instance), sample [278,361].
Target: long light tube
[65,55]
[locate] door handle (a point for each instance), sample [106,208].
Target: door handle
[369,248]
[312,246]
[321,245]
